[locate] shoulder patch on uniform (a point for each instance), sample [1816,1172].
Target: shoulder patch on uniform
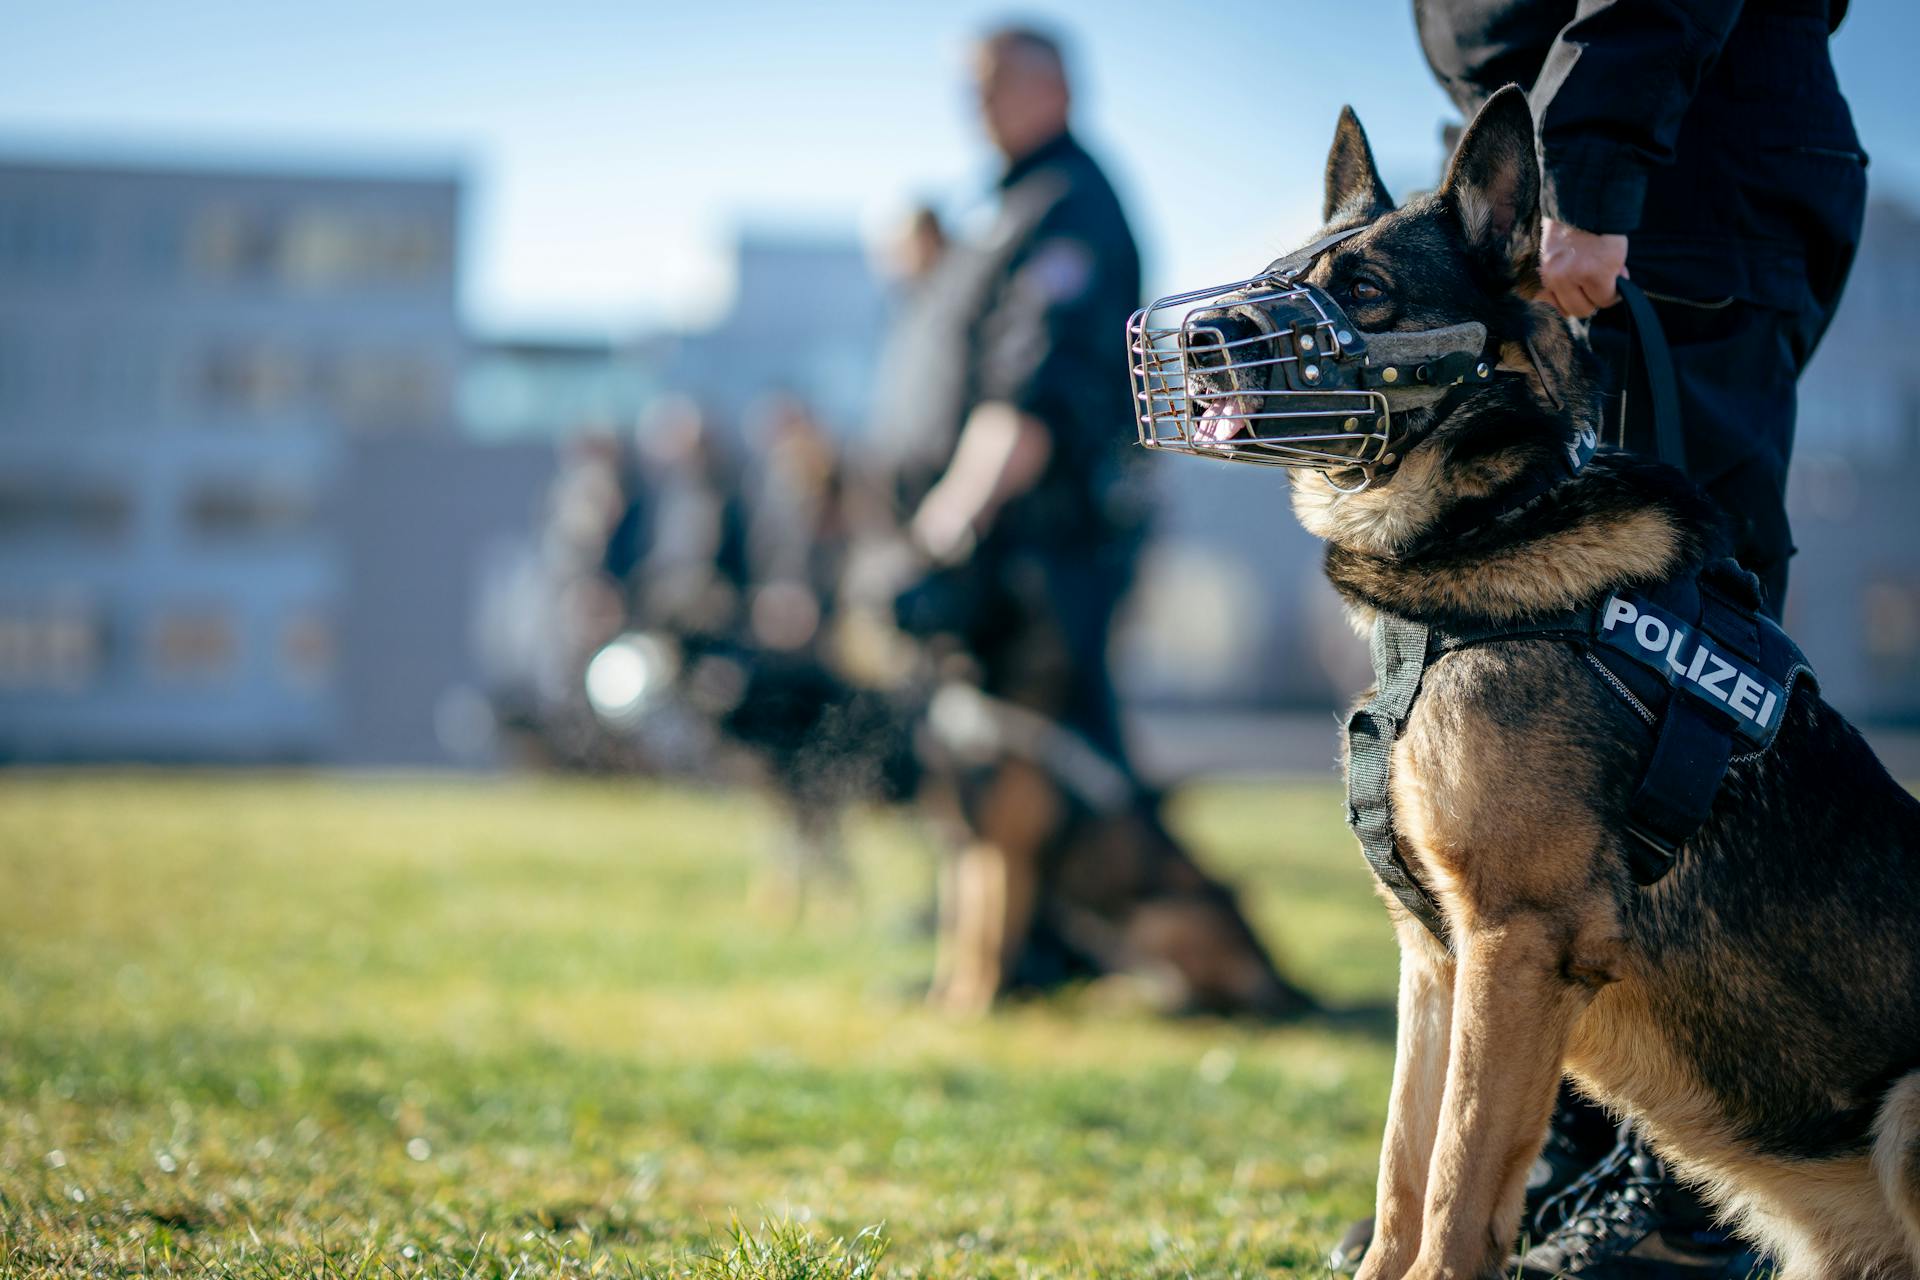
[1059,270]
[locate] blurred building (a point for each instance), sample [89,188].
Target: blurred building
[257,488]
[1855,599]
[196,364]
[805,321]
[548,388]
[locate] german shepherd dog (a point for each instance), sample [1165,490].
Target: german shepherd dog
[1063,867]
[1060,864]
[1757,1011]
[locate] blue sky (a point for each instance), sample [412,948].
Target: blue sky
[612,149]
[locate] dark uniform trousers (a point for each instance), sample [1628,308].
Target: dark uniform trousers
[1042,639]
[1713,134]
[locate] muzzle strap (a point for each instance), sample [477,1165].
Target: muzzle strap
[1300,260]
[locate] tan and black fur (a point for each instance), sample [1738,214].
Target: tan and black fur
[1102,880]
[1757,1011]
[1060,860]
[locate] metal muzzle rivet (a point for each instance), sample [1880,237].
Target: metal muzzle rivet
[1351,424]
[1480,370]
[1389,374]
[1311,373]
[1345,338]
[1306,342]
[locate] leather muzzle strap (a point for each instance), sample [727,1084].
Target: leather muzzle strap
[1292,264]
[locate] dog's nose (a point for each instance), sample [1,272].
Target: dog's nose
[1211,339]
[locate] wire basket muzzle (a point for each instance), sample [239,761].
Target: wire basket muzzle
[1264,371]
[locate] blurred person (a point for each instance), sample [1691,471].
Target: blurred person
[543,618]
[1000,411]
[999,416]
[800,526]
[1703,149]
[696,572]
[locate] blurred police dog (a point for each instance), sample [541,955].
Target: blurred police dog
[1059,866]
[1757,1010]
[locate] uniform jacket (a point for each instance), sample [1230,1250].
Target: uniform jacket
[1029,312]
[1712,132]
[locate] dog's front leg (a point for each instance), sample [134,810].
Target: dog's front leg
[1413,1109]
[1513,1010]
[993,889]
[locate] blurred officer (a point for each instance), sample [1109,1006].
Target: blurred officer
[697,569]
[800,525]
[1003,405]
[1702,148]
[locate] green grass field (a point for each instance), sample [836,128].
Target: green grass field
[338,1026]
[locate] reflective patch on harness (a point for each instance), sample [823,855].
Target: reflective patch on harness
[1693,664]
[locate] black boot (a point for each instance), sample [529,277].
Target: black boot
[1578,1135]
[1627,1219]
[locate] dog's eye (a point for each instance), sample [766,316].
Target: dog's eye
[1365,290]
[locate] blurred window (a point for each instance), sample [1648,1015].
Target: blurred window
[318,249]
[44,238]
[242,510]
[63,507]
[416,249]
[385,391]
[193,645]
[50,649]
[323,250]
[308,648]
[252,378]
[231,243]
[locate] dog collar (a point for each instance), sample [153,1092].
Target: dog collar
[1523,495]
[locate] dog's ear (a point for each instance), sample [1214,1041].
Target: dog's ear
[1493,183]
[1354,188]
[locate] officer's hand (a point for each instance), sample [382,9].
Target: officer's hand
[944,526]
[1578,268]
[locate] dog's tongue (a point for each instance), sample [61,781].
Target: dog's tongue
[1222,420]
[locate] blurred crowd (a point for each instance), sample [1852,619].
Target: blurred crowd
[915,609]
[684,528]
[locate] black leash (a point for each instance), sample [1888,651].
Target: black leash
[1655,366]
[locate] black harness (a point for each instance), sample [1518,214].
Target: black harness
[1694,659]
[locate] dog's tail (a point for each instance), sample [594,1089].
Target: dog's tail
[1896,1156]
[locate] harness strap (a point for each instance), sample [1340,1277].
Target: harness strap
[1694,748]
[1399,660]
[1675,795]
